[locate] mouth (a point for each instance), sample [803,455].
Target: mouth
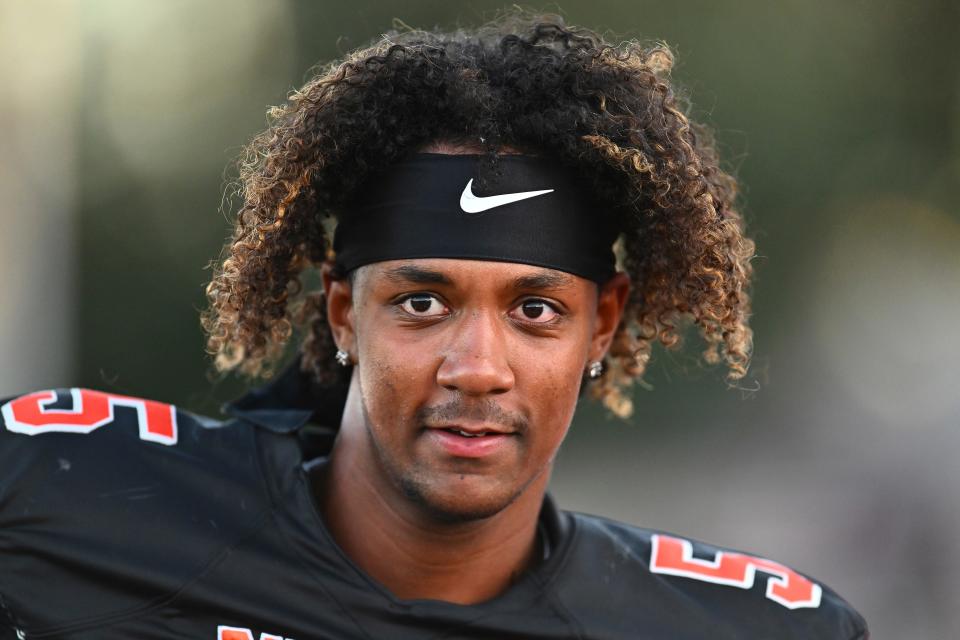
[473,441]
[474,433]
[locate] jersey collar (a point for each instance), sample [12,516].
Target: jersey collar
[292,399]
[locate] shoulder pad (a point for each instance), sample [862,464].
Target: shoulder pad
[699,589]
[91,480]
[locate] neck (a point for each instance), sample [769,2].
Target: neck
[412,553]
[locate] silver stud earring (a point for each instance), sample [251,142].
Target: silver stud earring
[343,358]
[595,370]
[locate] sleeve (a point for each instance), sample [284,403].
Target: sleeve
[72,468]
[109,502]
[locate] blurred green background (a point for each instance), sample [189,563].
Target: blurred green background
[841,119]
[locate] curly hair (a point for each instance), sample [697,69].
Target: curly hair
[521,81]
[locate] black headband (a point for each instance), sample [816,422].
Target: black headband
[531,210]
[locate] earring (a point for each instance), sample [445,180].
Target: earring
[343,358]
[595,370]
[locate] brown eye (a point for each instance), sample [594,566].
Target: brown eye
[533,310]
[538,311]
[422,305]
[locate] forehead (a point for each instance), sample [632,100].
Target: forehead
[462,273]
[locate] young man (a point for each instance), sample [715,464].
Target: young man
[392,482]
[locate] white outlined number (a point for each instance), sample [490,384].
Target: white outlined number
[32,414]
[238,633]
[674,557]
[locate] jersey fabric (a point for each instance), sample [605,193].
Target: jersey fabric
[126,518]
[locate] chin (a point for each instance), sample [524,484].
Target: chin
[458,498]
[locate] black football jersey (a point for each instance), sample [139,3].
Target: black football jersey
[128,518]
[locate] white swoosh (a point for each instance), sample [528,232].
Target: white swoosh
[474,204]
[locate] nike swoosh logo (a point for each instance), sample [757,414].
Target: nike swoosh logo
[475,204]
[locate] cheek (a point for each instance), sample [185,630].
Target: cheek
[561,394]
[394,375]
[552,377]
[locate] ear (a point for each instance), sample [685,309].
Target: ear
[611,301]
[339,298]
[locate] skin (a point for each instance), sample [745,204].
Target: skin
[478,345]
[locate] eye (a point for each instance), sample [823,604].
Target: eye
[423,305]
[536,311]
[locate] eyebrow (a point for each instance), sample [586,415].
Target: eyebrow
[543,280]
[417,275]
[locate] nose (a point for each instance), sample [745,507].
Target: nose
[475,361]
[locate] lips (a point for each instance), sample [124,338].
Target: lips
[474,431]
[470,441]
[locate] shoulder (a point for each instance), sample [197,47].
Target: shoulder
[97,489]
[684,587]
[74,440]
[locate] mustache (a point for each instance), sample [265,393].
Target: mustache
[486,411]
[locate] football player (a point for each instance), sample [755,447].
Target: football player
[521,210]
